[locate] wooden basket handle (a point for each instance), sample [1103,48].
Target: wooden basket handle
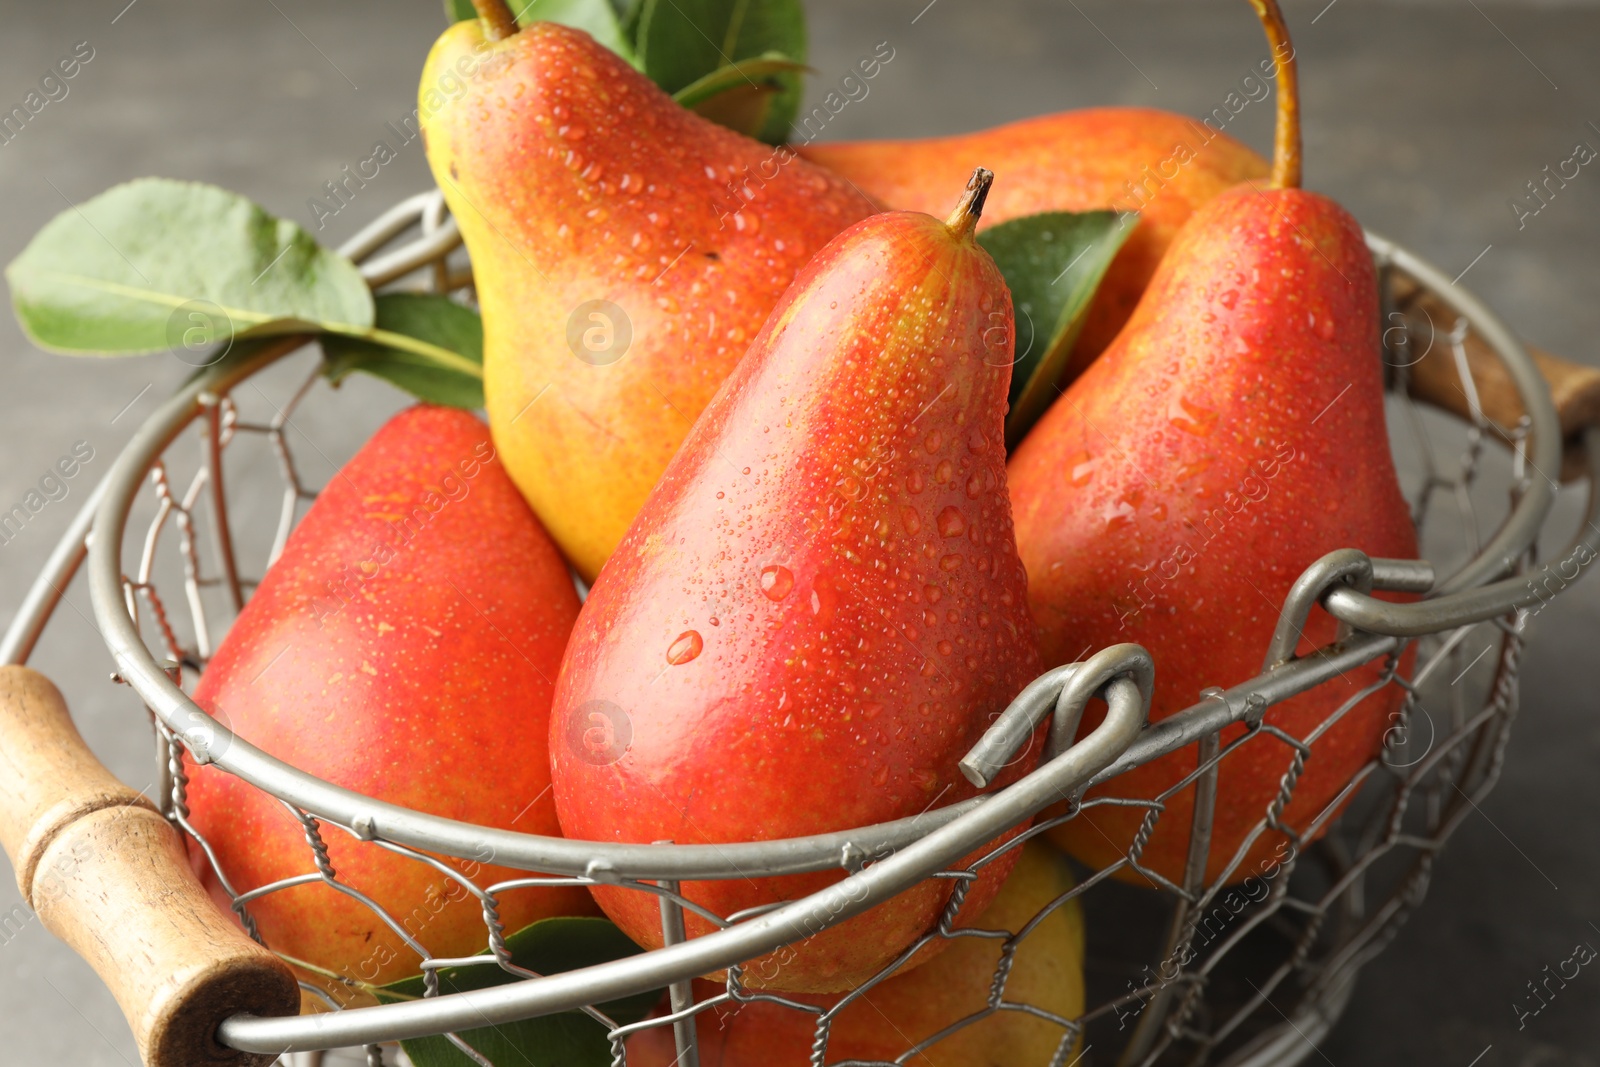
[1433,378]
[108,875]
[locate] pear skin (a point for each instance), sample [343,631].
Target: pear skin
[625,252]
[819,609]
[1124,158]
[1231,436]
[405,645]
[908,1008]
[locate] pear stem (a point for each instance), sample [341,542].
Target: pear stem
[1286,139]
[963,221]
[498,20]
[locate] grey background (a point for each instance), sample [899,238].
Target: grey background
[1422,118]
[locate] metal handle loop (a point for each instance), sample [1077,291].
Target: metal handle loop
[1013,728]
[1094,676]
[1344,567]
[1065,691]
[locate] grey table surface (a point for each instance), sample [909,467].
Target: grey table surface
[1424,118]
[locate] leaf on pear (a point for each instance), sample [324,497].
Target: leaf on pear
[426,317]
[597,18]
[1053,263]
[155,265]
[459,10]
[568,1039]
[740,95]
[737,75]
[681,42]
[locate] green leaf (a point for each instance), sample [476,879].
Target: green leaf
[736,75]
[680,42]
[156,264]
[426,317]
[741,96]
[565,1040]
[597,18]
[1053,263]
[459,10]
[568,1039]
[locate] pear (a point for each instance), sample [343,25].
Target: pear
[625,253]
[907,1009]
[820,607]
[405,645]
[1159,164]
[1231,436]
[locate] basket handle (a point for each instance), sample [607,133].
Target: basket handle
[1434,379]
[108,875]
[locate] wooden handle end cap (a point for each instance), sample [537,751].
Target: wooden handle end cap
[117,887]
[109,875]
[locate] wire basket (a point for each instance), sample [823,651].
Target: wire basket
[1260,991]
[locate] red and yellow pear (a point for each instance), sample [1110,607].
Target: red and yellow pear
[625,253]
[405,645]
[820,607]
[1231,436]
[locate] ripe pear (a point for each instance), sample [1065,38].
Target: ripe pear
[1231,436]
[820,608]
[625,253]
[1125,158]
[909,1008]
[405,646]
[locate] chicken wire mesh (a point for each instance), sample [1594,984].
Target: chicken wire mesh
[1206,970]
